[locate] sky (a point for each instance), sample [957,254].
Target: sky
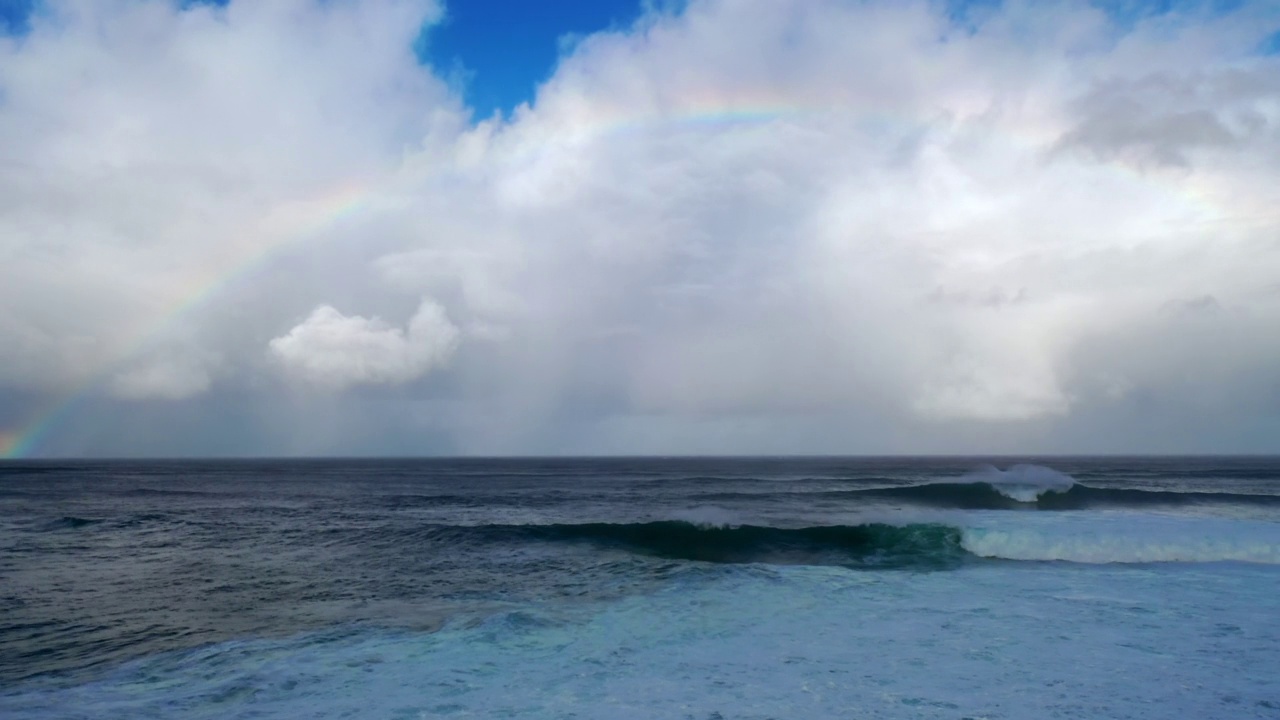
[407,227]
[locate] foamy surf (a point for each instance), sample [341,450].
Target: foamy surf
[746,643]
[1024,483]
[1123,538]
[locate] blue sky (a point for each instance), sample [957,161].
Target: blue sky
[504,48]
[498,51]
[13,15]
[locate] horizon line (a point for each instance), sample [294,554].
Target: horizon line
[647,456]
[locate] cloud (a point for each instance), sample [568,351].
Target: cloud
[153,149]
[792,262]
[1168,119]
[335,350]
[163,378]
[820,227]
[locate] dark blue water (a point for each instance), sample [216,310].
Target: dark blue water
[132,589]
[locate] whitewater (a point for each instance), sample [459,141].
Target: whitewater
[642,588]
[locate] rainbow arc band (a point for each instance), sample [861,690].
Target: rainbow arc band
[271,235]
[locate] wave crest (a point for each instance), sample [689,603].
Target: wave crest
[981,495]
[1023,483]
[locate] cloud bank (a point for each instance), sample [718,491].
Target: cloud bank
[742,226]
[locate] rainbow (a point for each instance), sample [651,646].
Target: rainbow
[273,234]
[9,444]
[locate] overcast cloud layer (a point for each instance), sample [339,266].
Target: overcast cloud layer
[750,226]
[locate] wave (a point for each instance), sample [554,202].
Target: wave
[984,496]
[70,522]
[167,492]
[925,546]
[1036,486]
[871,545]
[1024,483]
[1021,487]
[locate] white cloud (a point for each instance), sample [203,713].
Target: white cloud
[792,261]
[150,151]
[856,214]
[335,350]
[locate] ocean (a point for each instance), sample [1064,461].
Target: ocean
[706,589]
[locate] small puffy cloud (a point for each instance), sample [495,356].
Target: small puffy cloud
[335,350]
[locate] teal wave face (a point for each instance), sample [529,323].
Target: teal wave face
[873,545]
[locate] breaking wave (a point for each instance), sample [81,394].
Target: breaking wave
[1024,483]
[1038,487]
[871,545]
[926,546]
[981,496]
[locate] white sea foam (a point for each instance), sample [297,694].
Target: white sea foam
[1122,538]
[1024,483]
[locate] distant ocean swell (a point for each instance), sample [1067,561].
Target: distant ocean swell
[988,496]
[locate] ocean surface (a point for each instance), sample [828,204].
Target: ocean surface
[706,589]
